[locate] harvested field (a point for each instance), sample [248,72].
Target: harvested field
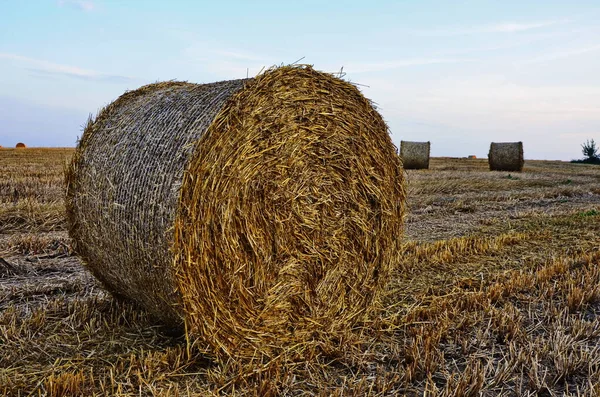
[497,293]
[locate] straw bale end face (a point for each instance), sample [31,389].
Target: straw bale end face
[281,222]
[506,156]
[415,155]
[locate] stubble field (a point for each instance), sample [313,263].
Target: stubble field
[497,293]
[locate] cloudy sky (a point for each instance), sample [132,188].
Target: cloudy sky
[457,73]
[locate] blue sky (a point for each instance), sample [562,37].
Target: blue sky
[457,73]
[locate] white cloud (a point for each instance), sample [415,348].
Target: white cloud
[83,5]
[400,63]
[551,119]
[502,27]
[513,27]
[43,67]
[237,54]
[509,43]
[482,97]
[229,63]
[563,54]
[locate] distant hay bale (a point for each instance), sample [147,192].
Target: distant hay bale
[21,145]
[506,156]
[414,155]
[472,157]
[261,212]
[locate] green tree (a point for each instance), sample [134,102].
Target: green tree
[589,149]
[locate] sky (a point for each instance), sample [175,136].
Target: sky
[459,74]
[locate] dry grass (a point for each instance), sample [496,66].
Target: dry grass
[497,293]
[31,190]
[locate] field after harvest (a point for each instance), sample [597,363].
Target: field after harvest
[498,293]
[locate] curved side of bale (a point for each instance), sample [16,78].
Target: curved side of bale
[506,156]
[415,155]
[123,187]
[20,145]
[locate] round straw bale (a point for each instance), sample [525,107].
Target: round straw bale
[506,156]
[415,155]
[260,212]
[472,157]
[21,145]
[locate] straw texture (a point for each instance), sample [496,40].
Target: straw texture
[415,155]
[506,156]
[124,184]
[261,212]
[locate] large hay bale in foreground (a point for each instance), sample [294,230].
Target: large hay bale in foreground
[506,156]
[262,212]
[21,145]
[415,155]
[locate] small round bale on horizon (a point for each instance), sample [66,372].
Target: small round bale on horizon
[20,145]
[506,156]
[415,155]
[261,213]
